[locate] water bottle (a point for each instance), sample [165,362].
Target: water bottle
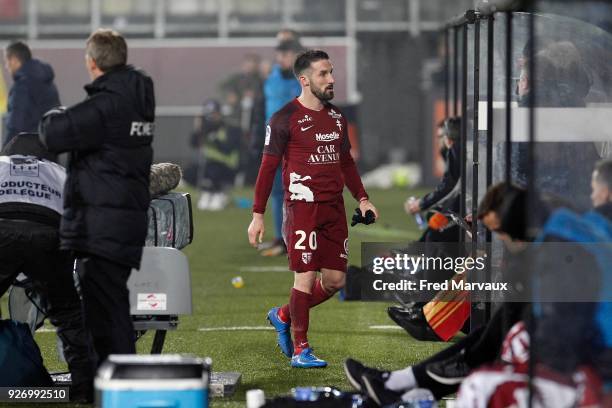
[418,217]
[416,398]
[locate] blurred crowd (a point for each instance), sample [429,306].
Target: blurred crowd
[228,137]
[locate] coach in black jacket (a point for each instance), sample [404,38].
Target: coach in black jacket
[104,222]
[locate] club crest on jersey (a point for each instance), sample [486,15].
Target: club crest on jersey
[339,124]
[306,257]
[305,119]
[327,137]
[334,114]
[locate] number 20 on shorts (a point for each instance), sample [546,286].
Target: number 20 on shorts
[312,240]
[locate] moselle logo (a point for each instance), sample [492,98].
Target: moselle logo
[334,114]
[306,257]
[339,124]
[327,137]
[142,129]
[268,133]
[24,166]
[305,119]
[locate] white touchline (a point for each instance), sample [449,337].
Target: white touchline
[264,269]
[385,327]
[235,328]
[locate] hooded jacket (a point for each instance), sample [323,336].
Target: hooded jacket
[109,136]
[452,157]
[33,93]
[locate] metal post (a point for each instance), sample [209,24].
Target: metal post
[223,17]
[455,71]
[32,19]
[475,131]
[350,14]
[96,15]
[463,124]
[446,72]
[531,189]
[160,19]
[286,13]
[414,15]
[488,236]
[490,48]
[508,96]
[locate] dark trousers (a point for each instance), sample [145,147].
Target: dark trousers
[480,346]
[32,249]
[106,306]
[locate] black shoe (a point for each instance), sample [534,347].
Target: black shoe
[450,371]
[354,370]
[376,390]
[414,322]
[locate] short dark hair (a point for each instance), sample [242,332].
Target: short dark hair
[452,128]
[290,45]
[107,48]
[496,197]
[509,203]
[306,58]
[604,172]
[19,50]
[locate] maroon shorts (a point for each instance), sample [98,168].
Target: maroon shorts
[316,235]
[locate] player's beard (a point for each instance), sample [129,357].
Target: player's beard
[324,94]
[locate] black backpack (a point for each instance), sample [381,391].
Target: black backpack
[21,364]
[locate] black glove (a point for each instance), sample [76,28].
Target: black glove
[360,219]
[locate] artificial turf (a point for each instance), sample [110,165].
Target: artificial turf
[338,329]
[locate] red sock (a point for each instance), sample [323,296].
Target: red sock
[318,294]
[299,306]
[284,313]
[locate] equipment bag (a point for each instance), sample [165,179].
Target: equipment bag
[21,364]
[170,221]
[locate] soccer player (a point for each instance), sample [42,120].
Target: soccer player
[309,135]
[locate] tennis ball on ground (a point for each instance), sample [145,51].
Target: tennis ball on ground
[237,282]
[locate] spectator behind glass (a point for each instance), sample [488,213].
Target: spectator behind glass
[561,80]
[243,107]
[33,92]
[218,145]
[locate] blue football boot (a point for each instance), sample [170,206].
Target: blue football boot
[283,332]
[307,360]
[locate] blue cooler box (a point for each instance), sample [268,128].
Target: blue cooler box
[153,381]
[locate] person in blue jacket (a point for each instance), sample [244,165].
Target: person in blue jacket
[280,87]
[33,92]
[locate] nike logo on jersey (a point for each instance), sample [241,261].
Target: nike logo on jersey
[306,128]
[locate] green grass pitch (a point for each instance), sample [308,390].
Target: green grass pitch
[337,329]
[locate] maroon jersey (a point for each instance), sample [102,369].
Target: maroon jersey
[315,152]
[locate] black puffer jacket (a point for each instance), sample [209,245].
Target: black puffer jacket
[109,136]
